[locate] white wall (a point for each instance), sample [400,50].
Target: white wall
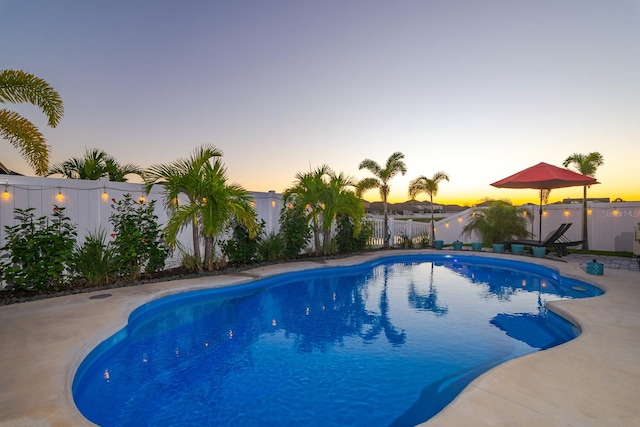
[88,203]
[611,225]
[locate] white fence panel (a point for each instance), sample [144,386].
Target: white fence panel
[88,204]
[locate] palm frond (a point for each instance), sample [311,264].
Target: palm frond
[26,137]
[17,86]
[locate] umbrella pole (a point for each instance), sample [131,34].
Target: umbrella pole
[540,225]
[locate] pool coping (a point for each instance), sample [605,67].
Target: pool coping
[592,380]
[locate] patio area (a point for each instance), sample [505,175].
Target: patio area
[593,380]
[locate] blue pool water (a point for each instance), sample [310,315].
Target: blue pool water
[389,342]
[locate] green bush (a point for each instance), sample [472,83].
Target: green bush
[137,243]
[347,240]
[272,247]
[38,251]
[423,241]
[93,260]
[294,229]
[241,248]
[499,221]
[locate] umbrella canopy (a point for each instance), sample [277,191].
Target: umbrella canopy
[544,176]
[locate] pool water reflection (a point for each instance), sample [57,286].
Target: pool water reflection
[385,343]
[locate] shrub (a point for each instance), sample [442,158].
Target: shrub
[271,247]
[423,241]
[406,242]
[93,260]
[499,221]
[294,229]
[38,251]
[137,244]
[347,240]
[241,248]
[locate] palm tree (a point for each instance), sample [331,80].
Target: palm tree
[325,195]
[339,199]
[307,191]
[380,180]
[422,184]
[499,221]
[17,86]
[586,164]
[218,204]
[94,165]
[183,176]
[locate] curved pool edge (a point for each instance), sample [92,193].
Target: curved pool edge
[56,335]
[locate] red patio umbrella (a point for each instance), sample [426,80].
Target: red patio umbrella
[544,176]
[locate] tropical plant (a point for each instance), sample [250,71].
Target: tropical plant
[94,165]
[307,191]
[324,194]
[17,86]
[137,238]
[498,221]
[349,240]
[38,251]
[93,260]
[216,203]
[422,184]
[339,200]
[243,247]
[586,164]
[271,247]
[380,180]
[183,176]
[294,228]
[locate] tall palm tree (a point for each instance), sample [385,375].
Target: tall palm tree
[339,199]
[95,164]
[183,176]
[586,164]
[17,86]
[380,180]
[307,191]
[325,195]
[219,203]
[422,184]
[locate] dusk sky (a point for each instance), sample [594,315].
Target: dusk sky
[479,89]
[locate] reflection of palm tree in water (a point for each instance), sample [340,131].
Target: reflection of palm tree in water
[382,322]
[428,302]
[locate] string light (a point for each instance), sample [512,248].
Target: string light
[5,194]
[60,196]
[105,195]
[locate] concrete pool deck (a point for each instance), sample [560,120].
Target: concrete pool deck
[593,380]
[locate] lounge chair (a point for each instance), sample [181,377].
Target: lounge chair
[555,240]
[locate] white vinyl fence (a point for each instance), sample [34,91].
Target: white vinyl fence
[88,204]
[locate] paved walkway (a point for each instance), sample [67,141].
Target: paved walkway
[615,262]
[593,380]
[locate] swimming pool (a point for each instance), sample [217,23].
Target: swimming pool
[390,342]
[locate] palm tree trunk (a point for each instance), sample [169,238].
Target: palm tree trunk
[196,241]
[433,225]
[316,236]
[386,223]
[208,253]
[326,240]
[585,230]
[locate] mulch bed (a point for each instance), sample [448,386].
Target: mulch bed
[13,296]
